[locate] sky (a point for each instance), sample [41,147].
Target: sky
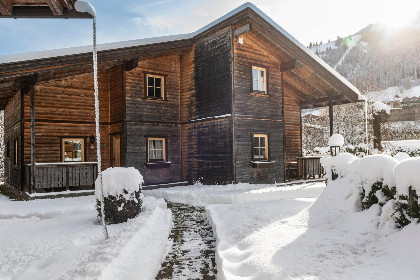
[306,20]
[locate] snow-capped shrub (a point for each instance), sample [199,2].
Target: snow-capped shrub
[377,180]
[337,166]
[408,187]
[122,194]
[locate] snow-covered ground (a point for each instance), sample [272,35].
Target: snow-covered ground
[202,195]
[290,234]
[62,239]
[305,231]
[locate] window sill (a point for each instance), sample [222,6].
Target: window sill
[262,164]
[154,99]
[259,93]
[158,164]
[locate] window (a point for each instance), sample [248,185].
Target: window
[73,149]
[156,150]
[259,79]
[260,147]
[155,86]
[15,160]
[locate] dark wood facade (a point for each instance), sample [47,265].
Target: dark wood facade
[207,116]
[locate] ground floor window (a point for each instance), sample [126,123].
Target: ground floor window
[260,147]
[156,150]
[73,149]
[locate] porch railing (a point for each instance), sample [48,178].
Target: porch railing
[62,175]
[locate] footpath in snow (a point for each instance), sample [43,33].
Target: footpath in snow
[192,251]
[62,239]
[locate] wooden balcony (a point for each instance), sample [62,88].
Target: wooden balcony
[62,175]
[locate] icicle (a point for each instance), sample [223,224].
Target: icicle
[98,135]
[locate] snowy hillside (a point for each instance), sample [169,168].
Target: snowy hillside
[376,58]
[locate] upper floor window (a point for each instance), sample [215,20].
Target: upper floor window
[259,79]
[260,147]
[155,86]
[73,149]
[156,149]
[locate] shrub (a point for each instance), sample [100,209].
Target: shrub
[118,209]
[378,194]
[122,194]
[407,208]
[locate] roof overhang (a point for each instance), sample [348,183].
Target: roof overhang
[40,9]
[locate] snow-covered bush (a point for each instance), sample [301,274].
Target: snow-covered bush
[338,166]
[408,187]
[122,194]
[377,180]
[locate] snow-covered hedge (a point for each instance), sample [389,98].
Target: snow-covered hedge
[122,194]
[377,180]
[381,179]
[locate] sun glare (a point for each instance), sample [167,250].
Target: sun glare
[397,14]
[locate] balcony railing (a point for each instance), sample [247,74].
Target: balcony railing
[62,175]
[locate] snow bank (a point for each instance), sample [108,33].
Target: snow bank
[62,239]
[85,7]
[377,168]
[378,107]
[336,140]
[407,175]
[201,195]
[117,179]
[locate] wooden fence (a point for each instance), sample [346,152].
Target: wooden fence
[62,175]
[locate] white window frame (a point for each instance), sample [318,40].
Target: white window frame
[63,140]
[163,148]
[259,147]
[162,86]
[258,79]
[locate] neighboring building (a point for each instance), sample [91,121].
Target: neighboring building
[219,105]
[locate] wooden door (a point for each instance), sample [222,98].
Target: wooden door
[116,158]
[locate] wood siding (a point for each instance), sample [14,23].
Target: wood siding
[207,95]
[257,113]
[293,127]
[65,108]
[12,131]
[154,118]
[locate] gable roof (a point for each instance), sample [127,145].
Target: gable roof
[11,61]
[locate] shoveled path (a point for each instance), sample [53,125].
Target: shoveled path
[192,255]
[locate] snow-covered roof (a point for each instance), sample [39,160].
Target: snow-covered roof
[155,40]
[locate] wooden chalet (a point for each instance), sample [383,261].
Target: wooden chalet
[219,105]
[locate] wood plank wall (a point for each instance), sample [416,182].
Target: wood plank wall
[12,131]
[116,110]
[257,113]
[207,93]
[293,127]
[154,118]
[65,108]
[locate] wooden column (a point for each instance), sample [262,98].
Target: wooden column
[377,136]
[331,115]
[32,93]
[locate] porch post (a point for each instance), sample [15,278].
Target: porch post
[32,184]
[331,111]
